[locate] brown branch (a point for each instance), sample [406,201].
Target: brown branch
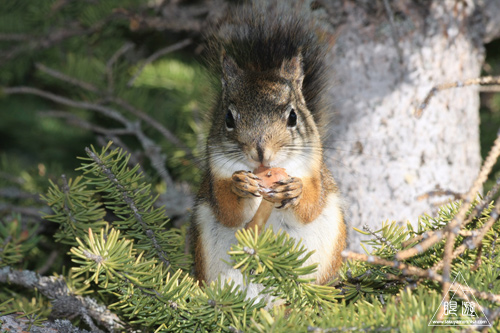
[166,50]
[440,192]
[476,236]
[429,274]
[482,81]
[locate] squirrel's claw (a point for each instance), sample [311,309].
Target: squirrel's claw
[245,184]
[285,193]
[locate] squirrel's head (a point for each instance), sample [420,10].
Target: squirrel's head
[262,119]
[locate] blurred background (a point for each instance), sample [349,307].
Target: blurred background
[81,73]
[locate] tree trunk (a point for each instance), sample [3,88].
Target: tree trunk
[382,156]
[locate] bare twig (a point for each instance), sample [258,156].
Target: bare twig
[16,193]
[169,136]
[153,123]
[152,150]
[82,123]
[489,89]
[52,38]
[440,192]
[108,112]
[109,65]
[27,211]
[64,303]
[66,78]
[483,81]
[156,55]
[49,262]
[429,274]
[14,37]
[16,323]
[475,238]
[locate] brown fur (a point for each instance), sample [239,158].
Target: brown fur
[269,66]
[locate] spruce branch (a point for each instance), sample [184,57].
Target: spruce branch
[276,261]
[16,240]
[409,270]
[124,191]
[380,238]
[74,208]
[115,266]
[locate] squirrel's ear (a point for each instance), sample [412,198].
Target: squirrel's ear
[291,69]
[230,70]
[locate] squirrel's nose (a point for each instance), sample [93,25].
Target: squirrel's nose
[261,154]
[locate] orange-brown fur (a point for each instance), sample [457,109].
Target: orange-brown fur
[269,69]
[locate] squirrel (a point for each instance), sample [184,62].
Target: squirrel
[270,112]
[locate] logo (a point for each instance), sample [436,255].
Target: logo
[457,311]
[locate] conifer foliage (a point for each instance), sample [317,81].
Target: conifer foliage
[129,269]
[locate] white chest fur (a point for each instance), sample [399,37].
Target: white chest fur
[321,235]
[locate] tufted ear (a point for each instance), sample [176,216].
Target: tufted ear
[291,69]
[230,70]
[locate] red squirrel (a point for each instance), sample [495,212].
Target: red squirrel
[270,112]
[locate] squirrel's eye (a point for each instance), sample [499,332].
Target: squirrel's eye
[292,119]
[230,121]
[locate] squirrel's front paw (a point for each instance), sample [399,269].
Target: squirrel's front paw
[286,192]
[245,184]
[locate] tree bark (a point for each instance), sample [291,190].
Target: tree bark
[381,155]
